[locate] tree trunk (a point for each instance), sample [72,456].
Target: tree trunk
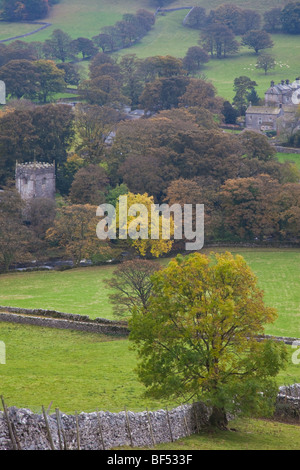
[218,418]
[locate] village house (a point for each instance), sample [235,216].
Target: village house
[281,103]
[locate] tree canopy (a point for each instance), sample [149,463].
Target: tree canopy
[197,337]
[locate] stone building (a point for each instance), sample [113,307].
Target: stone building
[2,92]
[35,180]
[284,93]
[262,118]
[281,102]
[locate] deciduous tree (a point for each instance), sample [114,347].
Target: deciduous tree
[131,285]
[74,230]
[89,186]
[219,40]
[257,40]
[197,337]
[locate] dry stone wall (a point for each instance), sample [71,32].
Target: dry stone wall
[21,429]
[60,320]
[288,403]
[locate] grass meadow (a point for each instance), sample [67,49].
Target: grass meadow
[83,290]
[78,371]
[289,157]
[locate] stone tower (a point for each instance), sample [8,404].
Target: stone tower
[2,92]
[35,180]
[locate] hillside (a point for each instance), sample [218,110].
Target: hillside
[168,36]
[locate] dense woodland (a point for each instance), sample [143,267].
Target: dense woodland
[25,10]
[178,152]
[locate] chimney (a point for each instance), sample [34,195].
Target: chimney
[272,83]
[287,82]
[282,82]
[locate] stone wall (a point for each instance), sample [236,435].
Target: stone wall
[22,429]
[65,321]
[288,403]
[287,149]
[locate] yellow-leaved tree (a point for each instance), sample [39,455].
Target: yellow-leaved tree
[149,232]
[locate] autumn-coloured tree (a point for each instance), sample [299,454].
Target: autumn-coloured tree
[163,93]
[74,230]
[34,133]
[41,213]
[256,146]
[13,146]
[197,18]
[103,90]
[142,230]
[17,50]
[202,94]
[288,205]
[89,185]
[83,46]
[93,124]
[132,79]
[201,190]
[14,235]
[179,147]
[230,15]
[21,78]
[197,337]
[248,207]
[195,58]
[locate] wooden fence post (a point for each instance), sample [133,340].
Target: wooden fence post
[100,428]
[48,429]
[169,423]
[150,427]
[10,430]
[77,431]
[128,426]
[59,431]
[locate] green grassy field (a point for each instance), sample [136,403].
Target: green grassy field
[289,157]
[86,18]
[83,291]
[170,37]
[247,435]
[8,30]
[77,371]
[82,372]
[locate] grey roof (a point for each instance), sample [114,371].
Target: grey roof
[283,88]
[263,110]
